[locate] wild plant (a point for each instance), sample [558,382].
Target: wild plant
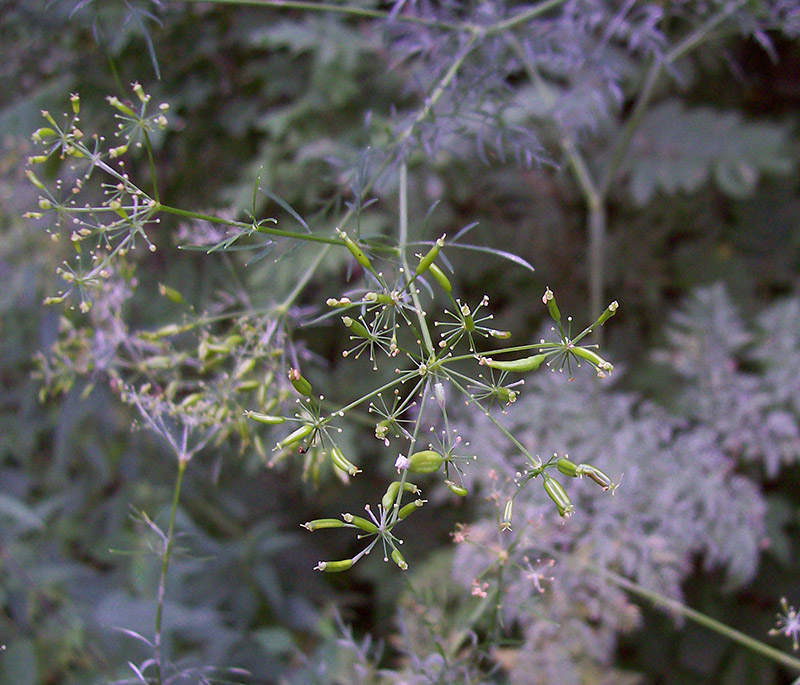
[240,372]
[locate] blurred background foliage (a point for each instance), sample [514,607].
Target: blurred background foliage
[702,252]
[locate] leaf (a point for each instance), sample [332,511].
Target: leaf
[498,253]
[679,149]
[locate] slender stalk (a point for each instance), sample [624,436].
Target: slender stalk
[357,12]
[685,46]
[162,581]
[708,622]
[403,202]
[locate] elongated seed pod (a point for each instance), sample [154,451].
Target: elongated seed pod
[390,496]
[596,475]
[426,461]
[456,489]
[592,357]
[360,522]
[341,462]
[608,313]
[319,524]
[441,278]
[355,250]
[557,493]
[427,260]
[264,418]
[550,300]
[517,365]
[567,467]
[356,327]
[299,382]
[295,436]
[397,558]
[334,566]
[508,510]
[409,508]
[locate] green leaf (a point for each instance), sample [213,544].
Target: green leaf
[678,149]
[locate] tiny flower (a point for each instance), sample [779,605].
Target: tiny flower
[788,624]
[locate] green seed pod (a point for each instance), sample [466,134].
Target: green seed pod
[456,489]
[596,475]
[426,261]
[356,327]
[426,461]
[516,365]
[608,313]
[550,300]
[318,524]
[295,436]
[505,395]
[441,278]
[266,418]
[355,250]
[593,358]
[244,367]
[44,132]
[170,293]
[334,566]
[380,298]
[557,493]
[505,524]
[362,523]
[299,383]
[567,467]
[500,335]
[390,496]
[341,462]
[397,558]
[191,400]
[409,508]
[34,179]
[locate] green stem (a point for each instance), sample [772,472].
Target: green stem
[358,12]
[708,622]
[162,581]
[643,100]
[308,237]
[403,202]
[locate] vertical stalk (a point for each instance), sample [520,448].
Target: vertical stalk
[162,581]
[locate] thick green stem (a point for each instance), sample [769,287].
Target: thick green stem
[165,556]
